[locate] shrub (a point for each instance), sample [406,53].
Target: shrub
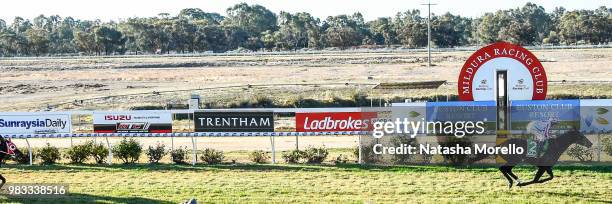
[77,154]
[606,143]
[212,156]
[49,154]
[128,150]
[99,152]
[581,153]
[341,159]
[156,153]
[24,157]
[367,154]
[293,156]
[401,140]
[456,159]
[179,155]
[259,156]
[314,155]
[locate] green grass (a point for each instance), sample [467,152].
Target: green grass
[349,183]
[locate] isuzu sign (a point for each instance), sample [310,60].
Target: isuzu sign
[35,123]
[334,121]
[526,76]
[224,121]
[132,122]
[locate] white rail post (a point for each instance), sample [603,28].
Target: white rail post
[110,152]
[599,146]
[193,151]
[273,150]
[29,150]
[359,146]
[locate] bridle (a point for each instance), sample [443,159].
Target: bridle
[10,147]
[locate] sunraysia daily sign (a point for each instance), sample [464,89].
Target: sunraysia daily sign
[526,76]
[34,123]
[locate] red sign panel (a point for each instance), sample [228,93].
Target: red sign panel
[334,121]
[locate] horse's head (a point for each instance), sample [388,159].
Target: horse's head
[8,147]
[578,138]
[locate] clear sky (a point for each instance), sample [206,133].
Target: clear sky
[106,10]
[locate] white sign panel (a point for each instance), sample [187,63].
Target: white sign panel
[143,121]
[596,115]
[34,123]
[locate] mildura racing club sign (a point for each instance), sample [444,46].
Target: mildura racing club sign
[34,123]
[237,121]
[133,122]
[334,121]
[526,77]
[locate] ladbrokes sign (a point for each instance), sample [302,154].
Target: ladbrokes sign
[223,121]
[334,121]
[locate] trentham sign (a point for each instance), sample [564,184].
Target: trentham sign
[526,76]
[233,121]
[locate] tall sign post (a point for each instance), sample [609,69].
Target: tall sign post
[502,72]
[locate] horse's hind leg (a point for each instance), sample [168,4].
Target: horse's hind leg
[3,181]
[550,174]
[504,171]
[536,178]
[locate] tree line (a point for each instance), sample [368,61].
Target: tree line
[256,28]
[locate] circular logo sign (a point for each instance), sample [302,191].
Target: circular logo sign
[526,79]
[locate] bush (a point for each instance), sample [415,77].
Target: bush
[293,156]
[179,155]
[341,159]
[212,156]
[259,156]
[49,154]
[398,141]
[156,153]
[581,153]
[456,159]
[315,155]
[128,150]
[606,143]
[367,154]
[99,152]
[78,154]
[24,157]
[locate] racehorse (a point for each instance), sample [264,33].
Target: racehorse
[545,163]
[7,148]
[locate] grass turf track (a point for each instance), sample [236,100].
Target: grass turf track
[350,183]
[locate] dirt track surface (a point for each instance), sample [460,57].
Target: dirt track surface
[28,84]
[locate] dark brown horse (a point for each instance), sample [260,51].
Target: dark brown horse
[7,148]
[545,163]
